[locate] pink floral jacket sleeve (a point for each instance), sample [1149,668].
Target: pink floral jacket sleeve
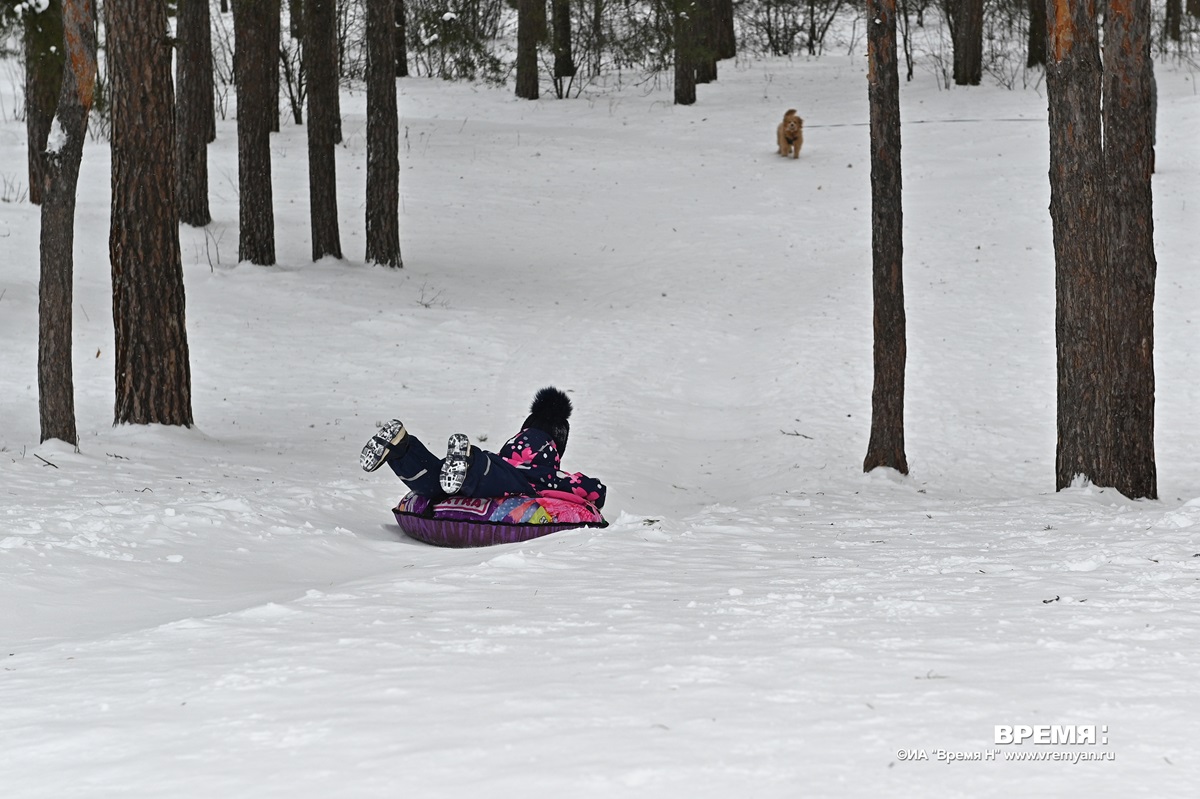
[535,454]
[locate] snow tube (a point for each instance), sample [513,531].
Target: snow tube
[482,522]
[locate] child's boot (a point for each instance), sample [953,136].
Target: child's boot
[454,467]
[381,445]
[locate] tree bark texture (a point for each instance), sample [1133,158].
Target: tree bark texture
[400,39]
[193,85]
[541,21]
[153,375]
[904,29]
[296,19]
[598,38]
[968,43]
[275,33]
[253,65]
[886,445]
[705,30]
[44,63]
[208,107]
[1129,239]
[726,39]
[383,139]
[56,383]
[527,39]
[1174,20]
[337,96]
[320,65]
[684,26]
[564,59]
[1073,82]
[1037,34]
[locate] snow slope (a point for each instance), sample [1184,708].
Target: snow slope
[231,611]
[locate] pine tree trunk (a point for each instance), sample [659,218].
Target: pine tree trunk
[705,30]
[541,26]
[1073,81]
[1129,240]
[193,83]
[253,67]
[1174,20]
[684,28]
[598,37]
[43,79]
[337,96]
[153,375]
[886,445]
[320,66]
[726,38]
[383,139]
[275,34]
[401,39]
[56,384]
[564,59]
[208,106]
[968,43]
[1037,34]
[296,19]
[527,39]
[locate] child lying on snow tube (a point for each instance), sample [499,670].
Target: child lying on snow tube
[528,464]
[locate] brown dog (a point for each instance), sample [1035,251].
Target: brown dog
[790,134]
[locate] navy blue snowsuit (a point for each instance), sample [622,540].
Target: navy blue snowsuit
[527,463]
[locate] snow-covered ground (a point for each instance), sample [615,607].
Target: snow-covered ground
[231,610]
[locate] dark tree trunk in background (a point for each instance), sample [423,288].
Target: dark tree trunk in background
[886,446]
[968,43]
[564,60]
[193,85]
[726,39]
[296,19]
[904,28]
[1193,7]
[208,107]
[43,79]
[153,374]
[541,21]
[253,68]
[1037,34]
[1174,20]
[598,40]
[684,26]
[337,96]
[1129,240]
[400,43]
[704,27]
[296,29]
[275,32]
[320,64]
[383,139]
[56,383]
[527,39]
[1073,80]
